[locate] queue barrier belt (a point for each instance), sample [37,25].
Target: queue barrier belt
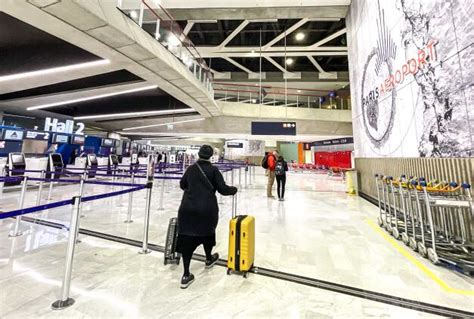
[30,210]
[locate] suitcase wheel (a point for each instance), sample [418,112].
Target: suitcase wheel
[245,275]
[228,271]
[166,262]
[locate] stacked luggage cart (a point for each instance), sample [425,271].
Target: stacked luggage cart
[431,217]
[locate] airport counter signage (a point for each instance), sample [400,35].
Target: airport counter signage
[234,145]
[273,128]
[337,141]
[35,135]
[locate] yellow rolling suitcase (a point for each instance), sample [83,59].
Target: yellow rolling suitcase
[241,242]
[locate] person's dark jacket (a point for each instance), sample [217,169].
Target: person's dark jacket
[198,213]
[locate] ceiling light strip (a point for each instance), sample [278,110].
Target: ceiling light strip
[89,98]
[102,116]
[53,70]
[161,124]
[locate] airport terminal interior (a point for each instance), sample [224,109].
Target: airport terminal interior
[324,149]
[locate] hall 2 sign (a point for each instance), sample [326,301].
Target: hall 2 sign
[54,125]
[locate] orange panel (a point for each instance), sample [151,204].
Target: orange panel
[300,153]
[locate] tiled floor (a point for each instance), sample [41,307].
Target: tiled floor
[319,232]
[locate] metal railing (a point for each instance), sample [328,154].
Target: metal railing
[158,22]
[278,96]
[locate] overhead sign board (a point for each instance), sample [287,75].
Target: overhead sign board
[78,139]
[13,135]
[273,128]
[60,138]
[35,135]
[336,141]
[234,145]
[54,125]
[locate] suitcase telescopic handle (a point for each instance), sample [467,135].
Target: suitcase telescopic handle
[234,206]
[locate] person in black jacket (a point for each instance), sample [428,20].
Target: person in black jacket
[198,213]
[281,167]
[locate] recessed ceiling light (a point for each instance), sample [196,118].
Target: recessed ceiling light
[94,97]
[253,51]
[289,61]
[161,124]
[299,91]
[299,36]
[133,14]
[53,70]
[101,116]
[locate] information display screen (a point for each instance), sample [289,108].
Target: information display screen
[273,128]
[59,138]
[35,135]
[13,135]
[78,139]
[57,160]
[107,142]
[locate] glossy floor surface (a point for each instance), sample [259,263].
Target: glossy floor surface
[319,232]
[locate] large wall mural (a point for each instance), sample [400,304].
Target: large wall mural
[412,71]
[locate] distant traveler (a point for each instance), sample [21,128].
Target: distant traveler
[72,158]
[271,163]
[281,168]
[199,213]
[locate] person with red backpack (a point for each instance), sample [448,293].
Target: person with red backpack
[269,163]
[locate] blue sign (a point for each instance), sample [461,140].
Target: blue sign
[273,128]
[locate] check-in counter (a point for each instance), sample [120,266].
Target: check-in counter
[36,164]
[102,161]
[126,160]
[79,162]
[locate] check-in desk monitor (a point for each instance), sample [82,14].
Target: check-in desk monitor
[92,164]
[16,161]
[55,164]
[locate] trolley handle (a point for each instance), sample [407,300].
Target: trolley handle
[466,185]
[234,205]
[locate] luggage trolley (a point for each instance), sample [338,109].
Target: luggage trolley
[449,209]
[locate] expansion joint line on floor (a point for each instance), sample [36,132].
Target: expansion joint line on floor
[417,263]
[307,281]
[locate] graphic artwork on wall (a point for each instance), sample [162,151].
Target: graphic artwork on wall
[412,80]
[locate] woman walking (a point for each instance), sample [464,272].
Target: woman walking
[281,167]
[199,213]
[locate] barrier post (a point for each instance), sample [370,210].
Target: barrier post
[4,175]
[240,176]
[146,222]
[81,192]
[65,300]
[40,188]
[130,200]
[16,232]
[232,176]
[50,186]
[162,194]
[254,177]
[245,176]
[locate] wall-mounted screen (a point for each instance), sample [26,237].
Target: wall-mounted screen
[35,135]
[12,135]
[106,142]
[273,128]
[78,139]
[60,138]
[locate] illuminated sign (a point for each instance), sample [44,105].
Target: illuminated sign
[13,135]
[35,135]
[54,125]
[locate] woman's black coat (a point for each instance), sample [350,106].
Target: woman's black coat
[198,213]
